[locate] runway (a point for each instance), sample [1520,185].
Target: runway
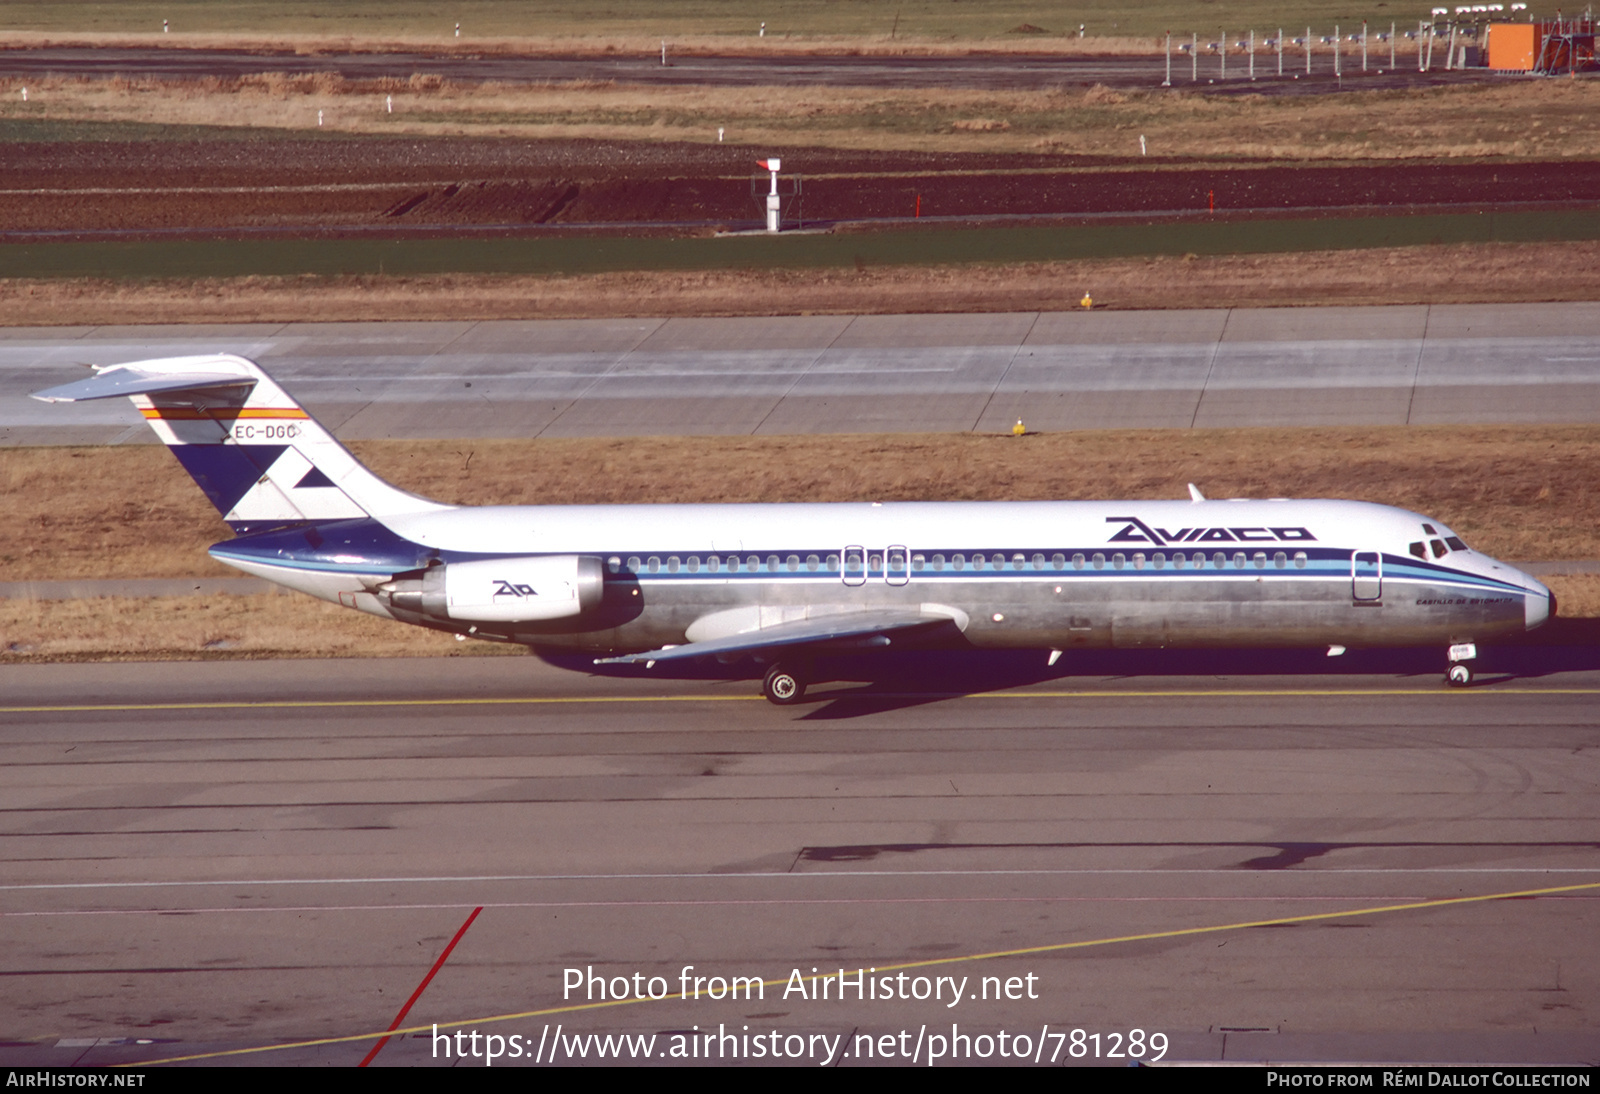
[1421,365]
[211,857]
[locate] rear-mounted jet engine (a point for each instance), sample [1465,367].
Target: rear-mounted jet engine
[507,590]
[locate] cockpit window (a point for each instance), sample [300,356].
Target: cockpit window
[1419,550]
[1455,543]
[1428,528]
[1439,549]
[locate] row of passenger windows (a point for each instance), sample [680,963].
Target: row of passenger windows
[959,561]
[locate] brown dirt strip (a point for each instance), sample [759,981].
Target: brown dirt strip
[403,186]
[1468,273]
[292,187]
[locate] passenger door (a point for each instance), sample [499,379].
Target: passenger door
[1366,575]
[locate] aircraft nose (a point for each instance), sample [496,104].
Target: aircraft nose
[1538,605]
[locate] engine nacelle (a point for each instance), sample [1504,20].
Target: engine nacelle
[507,590]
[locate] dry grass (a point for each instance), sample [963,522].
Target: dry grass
[198,628]
[1516,493]
[575,42]
[1578,596]
[1516,119]
[487,24]
[1471,273]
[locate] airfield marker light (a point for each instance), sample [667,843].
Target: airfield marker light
[388,102]
[164,26]
[1087,301]
[1019,429]
[319,118]
[719,134]
[774,202]
[663,51]
[1142,149]
[458,30]
[24,94]
[763,33]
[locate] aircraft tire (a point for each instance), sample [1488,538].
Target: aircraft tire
[1459,676]
[783,686]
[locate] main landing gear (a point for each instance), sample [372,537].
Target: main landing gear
[784,685]
[1462,658]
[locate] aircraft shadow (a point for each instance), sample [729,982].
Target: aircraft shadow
[902,679]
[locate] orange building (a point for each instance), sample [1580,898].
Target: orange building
[1562,46]
[1513,46]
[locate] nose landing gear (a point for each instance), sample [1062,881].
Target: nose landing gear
[1462,656]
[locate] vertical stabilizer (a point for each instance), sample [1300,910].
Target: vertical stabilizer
[261,459]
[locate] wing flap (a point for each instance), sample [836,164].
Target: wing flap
[841,627]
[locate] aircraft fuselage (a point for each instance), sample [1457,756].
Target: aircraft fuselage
[1005,574]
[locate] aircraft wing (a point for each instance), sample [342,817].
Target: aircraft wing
[868,628]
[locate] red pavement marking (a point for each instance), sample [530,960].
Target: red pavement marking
[426,980]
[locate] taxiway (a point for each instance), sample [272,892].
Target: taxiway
[215,857]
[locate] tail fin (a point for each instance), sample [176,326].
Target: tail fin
[261,459]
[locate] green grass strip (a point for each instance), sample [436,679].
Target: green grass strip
[588,254]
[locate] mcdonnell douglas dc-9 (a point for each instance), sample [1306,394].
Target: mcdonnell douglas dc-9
[782,584]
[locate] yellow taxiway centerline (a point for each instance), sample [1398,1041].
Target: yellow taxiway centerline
[1226,693]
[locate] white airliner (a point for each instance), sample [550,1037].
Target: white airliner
[783,584]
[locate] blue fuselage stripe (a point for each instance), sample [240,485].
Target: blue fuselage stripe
[1321,564]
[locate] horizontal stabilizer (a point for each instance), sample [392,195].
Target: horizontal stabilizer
[117,381]
[800,632]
